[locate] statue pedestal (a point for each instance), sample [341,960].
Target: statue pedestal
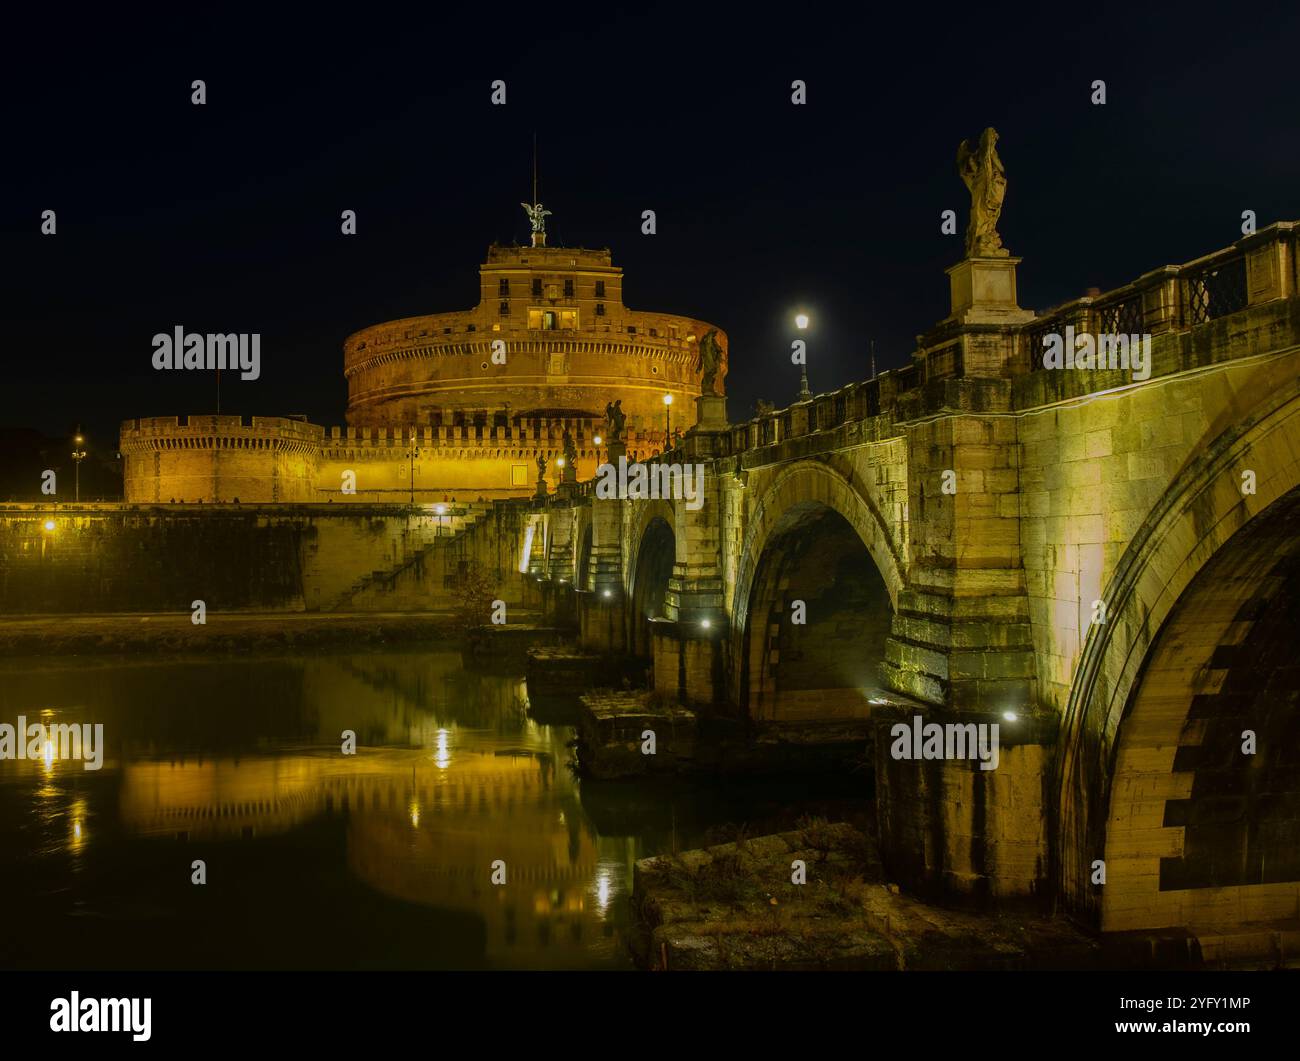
[615,451]
[984,291]
[711,413]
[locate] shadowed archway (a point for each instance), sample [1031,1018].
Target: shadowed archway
[1203,822]
[1205,569]
[654,566]
[818,616]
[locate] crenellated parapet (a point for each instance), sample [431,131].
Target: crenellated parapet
[267,433]
[220,458]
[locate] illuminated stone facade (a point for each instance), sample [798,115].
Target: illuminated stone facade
[219,458]
[570,346]
[464,403]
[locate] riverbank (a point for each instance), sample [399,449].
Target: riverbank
[62,635]
[817,898]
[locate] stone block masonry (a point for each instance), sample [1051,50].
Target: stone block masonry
[131,558]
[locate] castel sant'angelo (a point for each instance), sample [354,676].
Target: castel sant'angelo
[476,403]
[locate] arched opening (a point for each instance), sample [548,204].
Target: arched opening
[1203,816]
[817,619]
[654,566]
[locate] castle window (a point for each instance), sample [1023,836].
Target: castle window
[446,331]
[600,309]
[654,332]
[472,328]
[568,288]
[569,319]
[600,288]
[537,288]
[503,287]
[505,309]
[631,328]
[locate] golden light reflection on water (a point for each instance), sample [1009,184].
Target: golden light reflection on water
[420,814]
[78,815]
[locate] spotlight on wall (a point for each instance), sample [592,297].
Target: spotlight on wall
[49,524]
[597,440]
[608,594]
[1010,716]
[706,624]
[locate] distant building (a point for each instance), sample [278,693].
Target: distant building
[467,399]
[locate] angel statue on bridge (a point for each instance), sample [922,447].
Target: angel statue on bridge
[711,362]
[615,418]
[986,178]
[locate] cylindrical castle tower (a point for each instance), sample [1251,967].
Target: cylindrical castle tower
[550,337]
[219,459]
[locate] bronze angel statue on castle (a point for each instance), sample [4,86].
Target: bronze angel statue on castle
[537,215]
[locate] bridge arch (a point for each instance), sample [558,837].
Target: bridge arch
[813,536]
[1152,779]
[650,566]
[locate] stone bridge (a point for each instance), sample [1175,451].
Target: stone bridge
[1104,561]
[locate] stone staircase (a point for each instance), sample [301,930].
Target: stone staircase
[416,546]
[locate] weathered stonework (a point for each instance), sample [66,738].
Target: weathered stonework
[1034,529]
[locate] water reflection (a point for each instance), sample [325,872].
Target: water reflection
[315,858]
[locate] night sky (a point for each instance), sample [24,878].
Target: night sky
[225,217]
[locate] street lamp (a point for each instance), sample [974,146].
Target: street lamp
[668,422]
[413,454]
[78,455]
[801,322]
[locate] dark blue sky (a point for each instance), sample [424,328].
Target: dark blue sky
[226,217]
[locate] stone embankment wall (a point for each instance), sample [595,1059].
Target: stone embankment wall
[126,558]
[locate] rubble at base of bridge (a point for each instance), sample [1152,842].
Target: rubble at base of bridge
[734,906]
[560,670]
[612,740]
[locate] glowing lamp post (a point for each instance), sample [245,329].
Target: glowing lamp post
[412,455]
[668,422]
[801,322]
[78,455]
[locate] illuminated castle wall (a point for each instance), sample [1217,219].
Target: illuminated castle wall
[464,402]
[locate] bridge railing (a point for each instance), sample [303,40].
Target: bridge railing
[851,403]
[1256,269]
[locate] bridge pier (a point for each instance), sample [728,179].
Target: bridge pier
[689,663]
[601,598]
[949,828]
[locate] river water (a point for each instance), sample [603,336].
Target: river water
[317,859]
